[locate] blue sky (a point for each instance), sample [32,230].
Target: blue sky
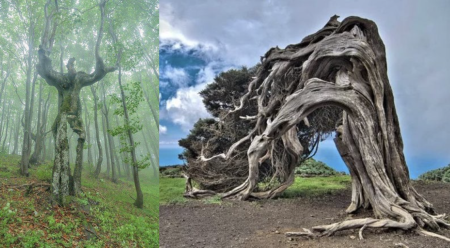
[199,39]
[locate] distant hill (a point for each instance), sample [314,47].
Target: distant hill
[314,168]
[440,175]
[171,171]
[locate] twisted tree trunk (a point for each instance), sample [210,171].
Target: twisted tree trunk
[344,65]
[69,86]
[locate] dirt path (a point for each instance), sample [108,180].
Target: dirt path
[263,223]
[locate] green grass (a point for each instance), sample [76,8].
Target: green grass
[171,189]
[28,220]
[316,186]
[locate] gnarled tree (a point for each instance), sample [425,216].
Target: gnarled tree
[69,86]
[341,65]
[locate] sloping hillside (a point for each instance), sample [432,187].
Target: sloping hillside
[104,217]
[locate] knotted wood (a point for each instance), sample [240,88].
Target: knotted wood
[342,65]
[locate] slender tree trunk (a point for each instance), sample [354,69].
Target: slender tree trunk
[118,162]
[44,127]
[3,119]
[105,138]
[35,157]
[139,195]
[152,108]
[153,163]
[109,138]
[16,134]
[126,166]
[6,129]
[26,147]
[87,120]
[10,137]
[97,135]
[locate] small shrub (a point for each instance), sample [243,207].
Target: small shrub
[441,174]
[7,216]
[446,177]
[171,172]
[44,172]
[311,168]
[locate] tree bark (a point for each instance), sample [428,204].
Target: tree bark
[88,133]
[108,137]
[139,195]
[105,138]
[26,147]
[7,126]
[69,86]
[139,203]
[61,170]
[125,165]
[97,135]
[343,65]
[38,139]
[16,134]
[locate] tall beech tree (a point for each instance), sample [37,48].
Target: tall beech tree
[69,86]
[342,65]
[98,166]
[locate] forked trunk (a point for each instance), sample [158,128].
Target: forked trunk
[342,65]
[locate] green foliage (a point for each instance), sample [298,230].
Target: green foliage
[213,200]
[441,174]
[7,216]
[316,186]
[171,190]
[29,238]
[220,97]
[311,168]
[66,104]
[446,177]
[171,172]
[136,230]
[32,238]
[44,172]
[133,97]
[112,216]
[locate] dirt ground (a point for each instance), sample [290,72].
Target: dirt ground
[263,223]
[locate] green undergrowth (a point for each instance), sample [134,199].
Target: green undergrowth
[105,212]
[172,189]
[439,175]
[316,186]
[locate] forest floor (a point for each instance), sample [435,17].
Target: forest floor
[104,217]
[263,223]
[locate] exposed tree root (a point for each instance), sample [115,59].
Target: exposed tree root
[342,65]
[407,222]
[28,185]
[431,234]
[199,193]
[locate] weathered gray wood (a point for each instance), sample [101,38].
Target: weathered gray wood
[343,65]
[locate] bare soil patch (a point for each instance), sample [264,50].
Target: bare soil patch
[263,223]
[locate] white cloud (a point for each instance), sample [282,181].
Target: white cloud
[162,129]
[417,53]
[177,76]
[186,107]
[168,143]
[168,32]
